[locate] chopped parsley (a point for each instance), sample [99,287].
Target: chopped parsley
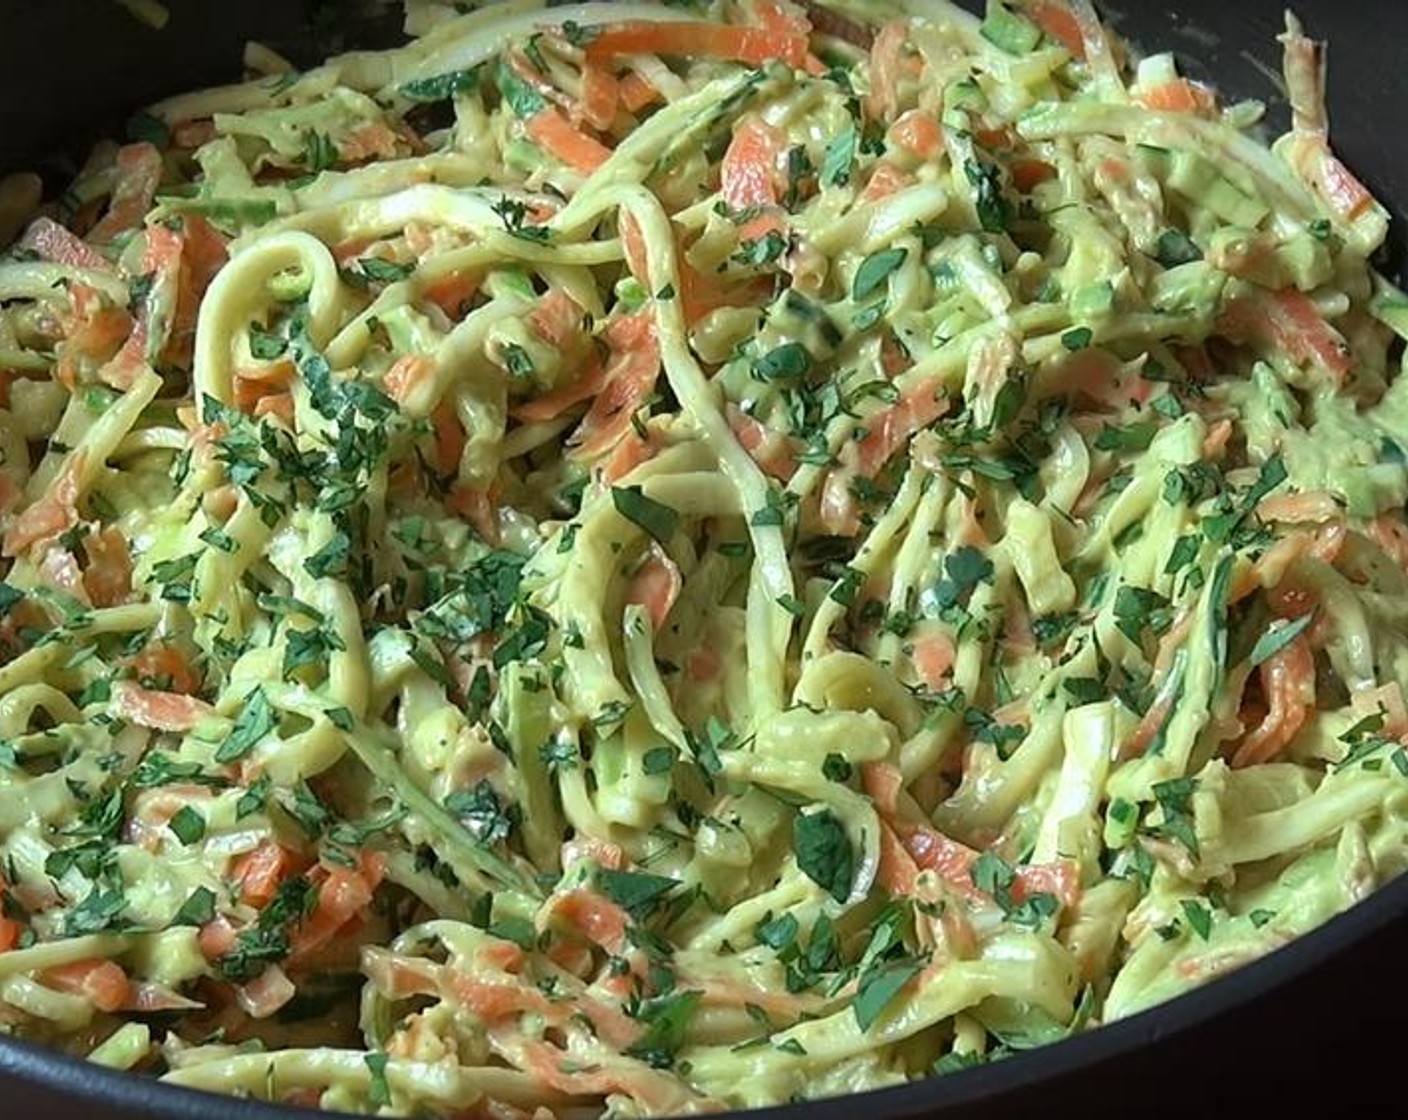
[875,270]
[824,852]
[660,521]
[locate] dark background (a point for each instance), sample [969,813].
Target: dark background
[1333,1035]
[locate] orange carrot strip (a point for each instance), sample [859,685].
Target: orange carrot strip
[102,983]
[750,45]
[554,132]
[1288,679]
[258,873]
[1055,19]
[1178,95]
[139,170]
[636,92]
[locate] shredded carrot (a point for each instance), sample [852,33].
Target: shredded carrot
[1288,320]
[449,437]
[203,253]
[258,873]
[102,983]
[1288,681]
[1027,174]
[193,134]
[587,384]
[108,577]
[655,586]
[1347,196]
[627,455]
[890,63]
[477,506]
[266,993]
[601,92]
[699,294]
[554,132]
[705,665]
[162,664]
[138,173]
[55,243]
[160,711]
[598,920]
[1390,533]
[406,375]
[1386,700]
[749,169]
[11,929]
[915,845]
[750,45]
[1311,505]
[493,1001]
[54,513]
[890,429]
[216,938]
[636,92]
[344,894]
[254,383]
[557,318]
[452,292]
[1178,95]
[772,451]
[1056,21]
[884,181]
[279,405]
[372,140]
[601,852]
[934,658]
[919,133]
[629,378]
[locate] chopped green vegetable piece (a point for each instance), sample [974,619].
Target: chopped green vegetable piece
[880,987]
[1174,248]
[1278,638]
[660,521]
[187,824]
[824,852]
[441,87]
[787,362]
[875,270]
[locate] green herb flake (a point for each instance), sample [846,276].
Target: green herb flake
[187,824]
[824,852]
[197,910]
[660,521]
[875,270]
[378,1091]
[789,362]
[1174,247]
[840,154]
[1278,638]
[639,893]
[1077,338]
[1199,917]
[879,988]
[441,87]
[256,720]
[658,760]
[383,271]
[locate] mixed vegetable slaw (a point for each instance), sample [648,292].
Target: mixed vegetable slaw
[649,559]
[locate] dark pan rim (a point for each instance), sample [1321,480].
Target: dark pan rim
[81,1080]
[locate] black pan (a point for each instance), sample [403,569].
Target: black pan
[1321,1020]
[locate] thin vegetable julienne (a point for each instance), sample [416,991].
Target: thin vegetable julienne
[678,565]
